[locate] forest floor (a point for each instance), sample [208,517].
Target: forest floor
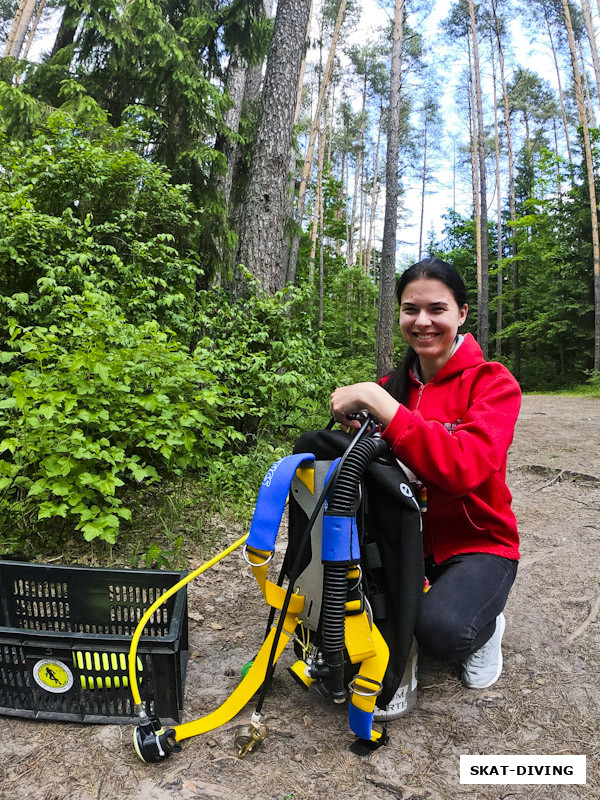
[547,700]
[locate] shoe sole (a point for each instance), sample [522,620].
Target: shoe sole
[500,661]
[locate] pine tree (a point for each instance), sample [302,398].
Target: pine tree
[262,230]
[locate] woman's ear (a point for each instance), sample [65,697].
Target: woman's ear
[463,315]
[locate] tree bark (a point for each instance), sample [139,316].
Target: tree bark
[235,82]
[263,220]
[386,316]
[374,195]
[499,287]
[34,27]
[589,27]
[423,185]
[67,29]
[515,341]
[483,287]
[293,256]
[560,89]
[474,169]
[19,28]
[587,145]
[586,86]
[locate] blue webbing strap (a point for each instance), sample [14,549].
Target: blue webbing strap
[340,540]
[271,501]
[361,722]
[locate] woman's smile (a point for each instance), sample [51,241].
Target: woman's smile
[429,320]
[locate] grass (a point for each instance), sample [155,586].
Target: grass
[583,390]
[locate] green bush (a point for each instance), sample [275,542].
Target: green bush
[95,404]
[76,205]
[268,357]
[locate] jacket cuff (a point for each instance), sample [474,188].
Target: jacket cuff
[397,427]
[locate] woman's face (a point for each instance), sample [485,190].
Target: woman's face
[429,321]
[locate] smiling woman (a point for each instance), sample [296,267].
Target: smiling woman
[429,320]
[449,416]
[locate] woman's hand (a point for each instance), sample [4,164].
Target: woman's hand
[362,397]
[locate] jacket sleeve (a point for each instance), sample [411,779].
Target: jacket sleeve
[459,462]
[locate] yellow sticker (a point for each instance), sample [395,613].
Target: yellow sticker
[53,676]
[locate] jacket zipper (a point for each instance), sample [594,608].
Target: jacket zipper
[429,536]
[419,396]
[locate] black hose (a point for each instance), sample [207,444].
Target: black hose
[329,487]
[335,584]
[335,592]
[345,493]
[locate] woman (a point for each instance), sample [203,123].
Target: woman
[449,416]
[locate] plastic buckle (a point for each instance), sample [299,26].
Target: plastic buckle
[364,747]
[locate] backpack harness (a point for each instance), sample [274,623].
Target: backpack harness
[325,608]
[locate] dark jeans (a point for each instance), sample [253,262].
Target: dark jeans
[457,615]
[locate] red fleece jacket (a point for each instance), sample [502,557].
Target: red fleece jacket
[455,436]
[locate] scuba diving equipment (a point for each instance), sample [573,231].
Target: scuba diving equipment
[389,524]
[329,616]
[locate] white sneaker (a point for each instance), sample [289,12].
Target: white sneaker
[483,667]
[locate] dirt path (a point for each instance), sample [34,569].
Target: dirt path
[546,702]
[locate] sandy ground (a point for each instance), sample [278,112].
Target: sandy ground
[546,702]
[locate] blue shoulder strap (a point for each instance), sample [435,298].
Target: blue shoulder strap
[271,501]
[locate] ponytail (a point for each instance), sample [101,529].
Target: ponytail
[398,384]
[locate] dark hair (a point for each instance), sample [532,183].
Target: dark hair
[435,269]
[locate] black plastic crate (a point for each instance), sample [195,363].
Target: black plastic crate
[64,638]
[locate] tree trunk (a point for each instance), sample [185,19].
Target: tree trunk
[586,86]
[293,256]
[34,27]
[560,90]
[483,289]
[318,215]
[423,185]
[19,28]
[498,210]
[67,29]
[589,27]
[254,73]
[350,244]
[374,195]
[583,121]
[321,221]
[516,340]
[289,213]
[235,83]
[474,170]
[263,220]
[386,316]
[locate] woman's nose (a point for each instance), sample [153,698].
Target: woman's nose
[423,318]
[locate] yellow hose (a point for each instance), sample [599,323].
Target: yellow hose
[132,661]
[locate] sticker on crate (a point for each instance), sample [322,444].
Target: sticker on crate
[53,676]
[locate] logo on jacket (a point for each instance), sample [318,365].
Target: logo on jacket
[452,426]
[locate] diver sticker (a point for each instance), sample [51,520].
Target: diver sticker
[53,676]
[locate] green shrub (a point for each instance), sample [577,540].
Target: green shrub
[95,404]
[267,357]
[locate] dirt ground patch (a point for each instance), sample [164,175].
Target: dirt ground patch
[546,702]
